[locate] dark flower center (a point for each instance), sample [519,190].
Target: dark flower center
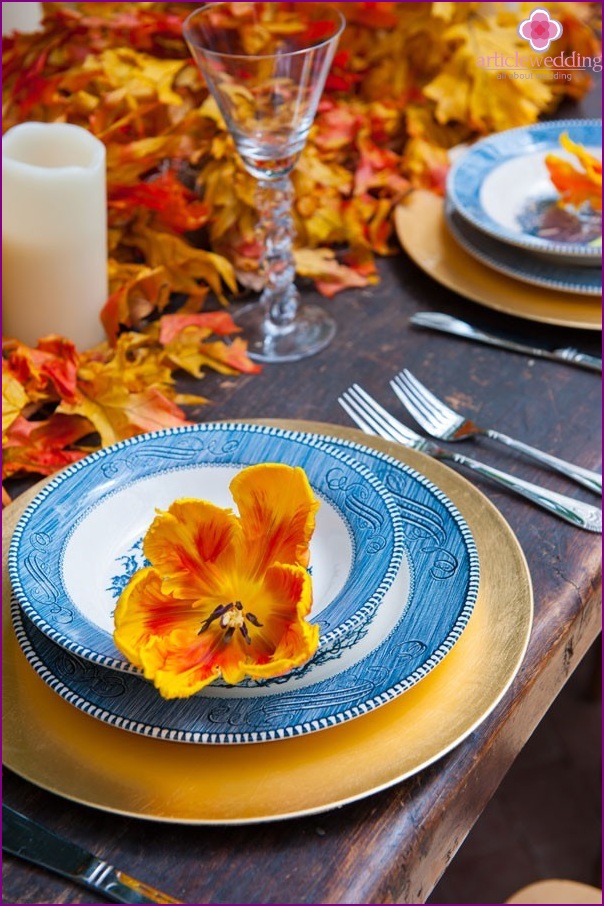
[231,618]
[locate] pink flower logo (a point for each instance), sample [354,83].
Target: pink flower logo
[540,29]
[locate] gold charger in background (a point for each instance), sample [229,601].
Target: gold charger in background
[59,748]
[422,232]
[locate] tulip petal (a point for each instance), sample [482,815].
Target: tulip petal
[144,612]
[180,666]
[290,586]
[277,509]
[193,546]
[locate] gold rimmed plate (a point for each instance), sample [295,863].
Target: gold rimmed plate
[102,766]
[423,234]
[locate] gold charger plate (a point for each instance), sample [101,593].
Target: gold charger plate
[59,748]
[422,232]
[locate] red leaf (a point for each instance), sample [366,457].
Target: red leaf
[52,365]
[177,207]
[41,447]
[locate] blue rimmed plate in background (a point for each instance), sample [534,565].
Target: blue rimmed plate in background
[520,264]
[502,187]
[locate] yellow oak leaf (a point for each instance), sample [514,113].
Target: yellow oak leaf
[469,88]
[135,291]
[144,76]
[117,414]
[183,264]
[14,397]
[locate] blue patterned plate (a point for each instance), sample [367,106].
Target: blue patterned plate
[503,188]
[79,541]
[525,266]
[421,617]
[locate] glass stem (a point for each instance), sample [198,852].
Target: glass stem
[274,199]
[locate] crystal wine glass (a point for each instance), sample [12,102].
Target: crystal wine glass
[266,64]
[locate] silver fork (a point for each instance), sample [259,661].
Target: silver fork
[444,423]
[373,419]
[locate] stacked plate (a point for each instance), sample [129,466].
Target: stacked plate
[394,565]
[502,207]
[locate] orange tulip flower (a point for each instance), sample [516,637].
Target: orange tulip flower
[226,595]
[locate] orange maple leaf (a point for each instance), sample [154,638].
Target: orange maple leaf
[14,397]
[42,447]
[47,372]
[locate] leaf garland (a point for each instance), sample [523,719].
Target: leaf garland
[405,86]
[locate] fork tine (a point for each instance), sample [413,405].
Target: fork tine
[397,430]
[442,415]
[413,402]
[367,413]
[354,415]
[422,390]
[363,410]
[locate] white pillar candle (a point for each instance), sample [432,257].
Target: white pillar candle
[54,233]
[23,17]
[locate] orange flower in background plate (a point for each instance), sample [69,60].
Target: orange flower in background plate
[576,186]
[225,595]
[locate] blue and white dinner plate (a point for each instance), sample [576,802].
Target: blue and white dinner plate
[521,265]
[502,187]
[79,541]
[422,615]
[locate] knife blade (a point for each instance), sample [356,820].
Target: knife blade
[447,324]
[31,841]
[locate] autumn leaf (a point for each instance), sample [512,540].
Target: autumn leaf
[117,414]
[184,265]
[42,447]
[217,322]
[139,291]
[145,76]
[228,358]
[14,397]
[192,351]
[323,266]
[467,90]
[47,372]
[125,396]
[176,207]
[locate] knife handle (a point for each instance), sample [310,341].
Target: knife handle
[122,888]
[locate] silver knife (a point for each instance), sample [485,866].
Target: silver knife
[29,840]
[447,324]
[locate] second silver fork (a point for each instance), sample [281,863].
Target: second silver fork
[374,419]
[444,423]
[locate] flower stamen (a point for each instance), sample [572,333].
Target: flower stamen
[231,617]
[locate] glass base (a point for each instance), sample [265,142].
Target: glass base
[310,331]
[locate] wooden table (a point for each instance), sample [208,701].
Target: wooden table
[392,846]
